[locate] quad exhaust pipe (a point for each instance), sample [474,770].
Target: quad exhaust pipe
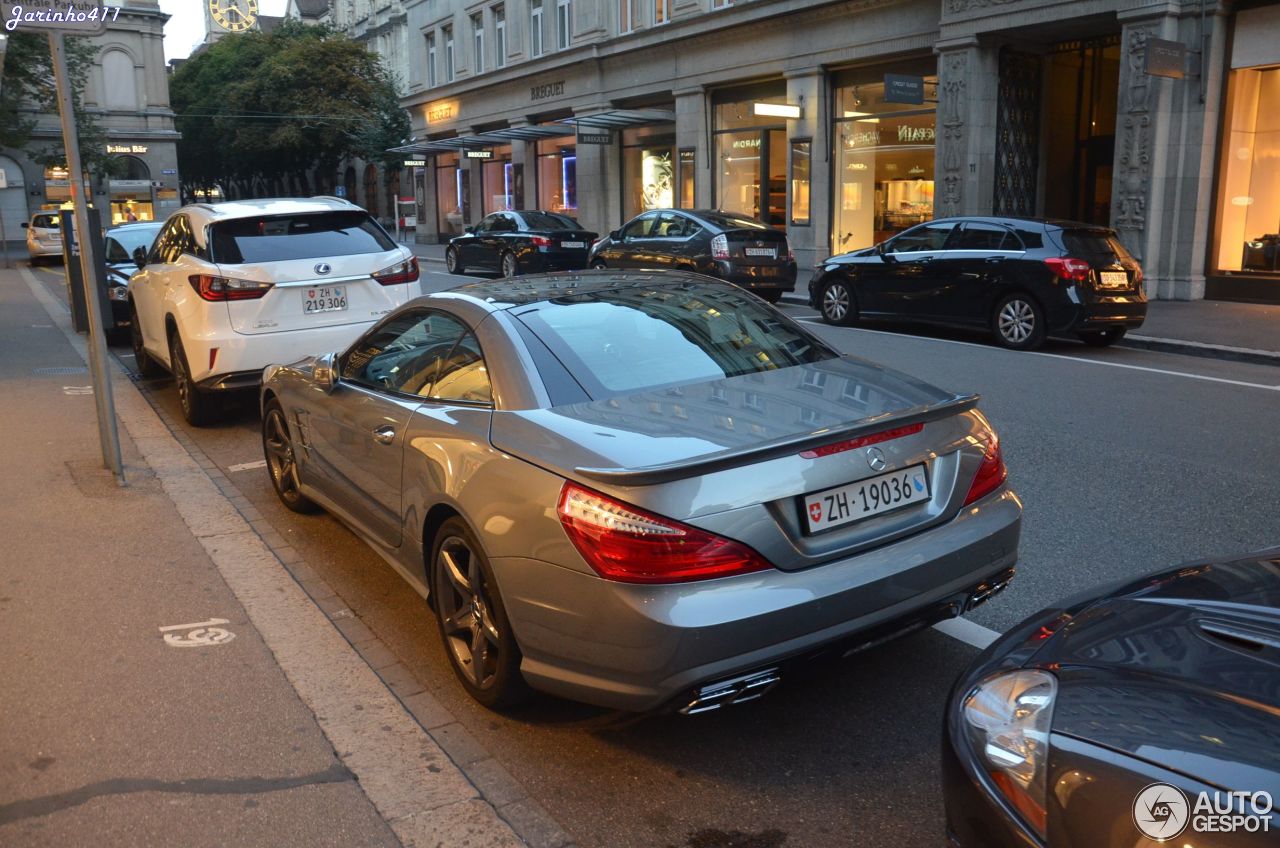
[986,591]
[736,690]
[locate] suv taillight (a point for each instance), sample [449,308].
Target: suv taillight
[214,289]
[991,473]
[1066,268]
[401,272]
[630,545]
[720,247]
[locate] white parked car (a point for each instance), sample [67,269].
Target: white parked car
[229,288]
[44,236]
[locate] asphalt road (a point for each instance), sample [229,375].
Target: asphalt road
[1126,460]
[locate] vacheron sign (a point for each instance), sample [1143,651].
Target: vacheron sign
[546,90]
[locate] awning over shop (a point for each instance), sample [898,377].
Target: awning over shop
[618,118]
[611,119]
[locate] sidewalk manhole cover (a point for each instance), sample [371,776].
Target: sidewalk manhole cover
[61,369]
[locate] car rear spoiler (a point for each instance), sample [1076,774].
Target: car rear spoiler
[653,474]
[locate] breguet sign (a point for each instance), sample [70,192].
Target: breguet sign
[546,91]
[441,111]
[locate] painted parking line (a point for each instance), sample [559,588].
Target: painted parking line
[1165,371]
[968,632]
[248,466]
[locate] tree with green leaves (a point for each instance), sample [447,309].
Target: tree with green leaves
[28,91]
[260,112]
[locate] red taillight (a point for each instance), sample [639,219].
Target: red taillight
[991,473]
[720,247]
[541,241]
[628,544]
[863,441]
[213,288]
[1066,268]
[401,272]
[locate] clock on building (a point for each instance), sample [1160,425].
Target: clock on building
[233,15]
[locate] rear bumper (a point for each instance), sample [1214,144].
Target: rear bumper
[239,355]
[556,260]
[37,249]
[758,276]
[642,647]
[1112,312]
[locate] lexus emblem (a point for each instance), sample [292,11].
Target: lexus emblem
[875,458]
[323,268]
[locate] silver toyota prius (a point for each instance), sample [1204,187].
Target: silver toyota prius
[642,490]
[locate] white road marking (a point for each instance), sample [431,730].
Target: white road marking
[248,466]
[968,632]
[42,326]
[1206,378]
[77,390]
[199,635]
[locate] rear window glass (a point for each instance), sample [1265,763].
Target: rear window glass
[731,221]
[46,222]
[549,221]
[1094,245]
[633,339]
[275,238]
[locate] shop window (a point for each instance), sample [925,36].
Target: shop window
[558,175]
[1248,231]
[450,197]
[688,158]
[498,181]
[800,182]
[648,169]
[130,189]
[884,156]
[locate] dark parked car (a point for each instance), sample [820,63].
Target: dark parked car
[733,247]
[1023,279]
[1103,720]
[120,244]
[514,243]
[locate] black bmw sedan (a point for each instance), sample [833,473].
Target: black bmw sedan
[1145,713]
[733,247]
[514,243]
[1022,279]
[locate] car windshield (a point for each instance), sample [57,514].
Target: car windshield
[549,221]
[131,238]
[275,238]
[633,339]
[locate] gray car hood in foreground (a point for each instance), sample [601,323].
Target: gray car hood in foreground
[662,434]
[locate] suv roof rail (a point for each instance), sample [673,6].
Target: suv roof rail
[332,197]
[208,206]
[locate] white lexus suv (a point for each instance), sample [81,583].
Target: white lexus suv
[229,288]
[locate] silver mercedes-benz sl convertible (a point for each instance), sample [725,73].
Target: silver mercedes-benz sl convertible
[642,490]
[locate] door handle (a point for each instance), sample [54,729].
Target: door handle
[994,259]
[384,435]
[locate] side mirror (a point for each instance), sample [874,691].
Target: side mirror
[140,257]
[468,229]
[25,225]
[326,372]
[614,236]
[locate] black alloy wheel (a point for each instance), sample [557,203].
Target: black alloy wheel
[837,303]
[473,624]
[510,265]
[197,405]
[1102,338]
[148,368]
[1017,322]
[453,262]
[282,461]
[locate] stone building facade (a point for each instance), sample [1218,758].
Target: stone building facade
[128,91]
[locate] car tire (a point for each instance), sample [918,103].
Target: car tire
[282,462]
[838,304]
[1017,322]
[771,295]
[196,405]
[148,368]
[1102,338]
[598,264]
[471,618]
[509,264]
[452,261]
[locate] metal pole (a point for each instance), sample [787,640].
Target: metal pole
[107,433]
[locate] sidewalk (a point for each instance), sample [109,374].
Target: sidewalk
[1246,332]
[166,679]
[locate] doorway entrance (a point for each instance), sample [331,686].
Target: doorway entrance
[1080,135]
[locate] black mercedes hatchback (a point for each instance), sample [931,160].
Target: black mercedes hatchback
[514,243]
[1134,715]
[736,248]
[1020,278]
